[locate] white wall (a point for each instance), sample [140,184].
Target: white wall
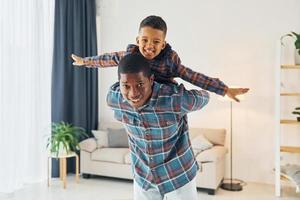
[233,40]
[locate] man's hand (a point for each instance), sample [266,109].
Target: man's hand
[78,61]
[233,92]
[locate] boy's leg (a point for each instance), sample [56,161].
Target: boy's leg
[140,194]
[188,191]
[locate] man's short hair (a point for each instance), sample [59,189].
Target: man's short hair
[134,63]
[155,22]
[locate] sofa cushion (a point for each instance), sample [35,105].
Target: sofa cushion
[117,138]
[212,155]
[196,151]
[115,155]
[101,137]
[215,136]
[88,145]
[201,143]
[128,158]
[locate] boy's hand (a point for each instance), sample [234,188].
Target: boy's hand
[78,61]
[233,92]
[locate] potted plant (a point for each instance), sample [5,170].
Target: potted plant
[64,138]
[296,43]
[297,112]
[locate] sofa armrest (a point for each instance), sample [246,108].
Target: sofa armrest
[212,155]
[88,145]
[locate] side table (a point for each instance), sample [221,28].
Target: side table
[63,167]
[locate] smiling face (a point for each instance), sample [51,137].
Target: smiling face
[151,42]
[136,88]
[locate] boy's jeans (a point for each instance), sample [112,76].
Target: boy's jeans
[188,191]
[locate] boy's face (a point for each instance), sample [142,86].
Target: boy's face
[136,88]
[150,41]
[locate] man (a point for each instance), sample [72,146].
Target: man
[155,118]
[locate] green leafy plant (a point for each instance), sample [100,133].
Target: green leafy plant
[297,41]
[297,112]
[66,136]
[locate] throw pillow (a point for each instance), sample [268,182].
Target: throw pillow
[101,137]
[117,138]
[200,143]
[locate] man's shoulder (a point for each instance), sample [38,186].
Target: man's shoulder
[115,87]
[168,97]
[170,89]
[114,95]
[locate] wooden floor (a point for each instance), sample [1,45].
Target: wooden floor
[101,188]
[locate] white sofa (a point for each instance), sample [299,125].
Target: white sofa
[115,162]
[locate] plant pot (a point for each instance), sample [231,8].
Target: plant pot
[297,57]
[298,119]
[62,151]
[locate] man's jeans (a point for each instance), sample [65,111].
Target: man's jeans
[188,191]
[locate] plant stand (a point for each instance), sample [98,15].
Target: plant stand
[63,167]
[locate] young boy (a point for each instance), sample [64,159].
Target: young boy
[164,62]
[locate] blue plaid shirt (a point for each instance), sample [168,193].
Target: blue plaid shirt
[158,135]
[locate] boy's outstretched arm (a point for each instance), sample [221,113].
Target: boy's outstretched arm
[104,60]
[205,82]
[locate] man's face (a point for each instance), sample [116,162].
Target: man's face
[136,88]
[150,41]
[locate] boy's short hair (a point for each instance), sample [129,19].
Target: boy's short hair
[134,63]
[155,22]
